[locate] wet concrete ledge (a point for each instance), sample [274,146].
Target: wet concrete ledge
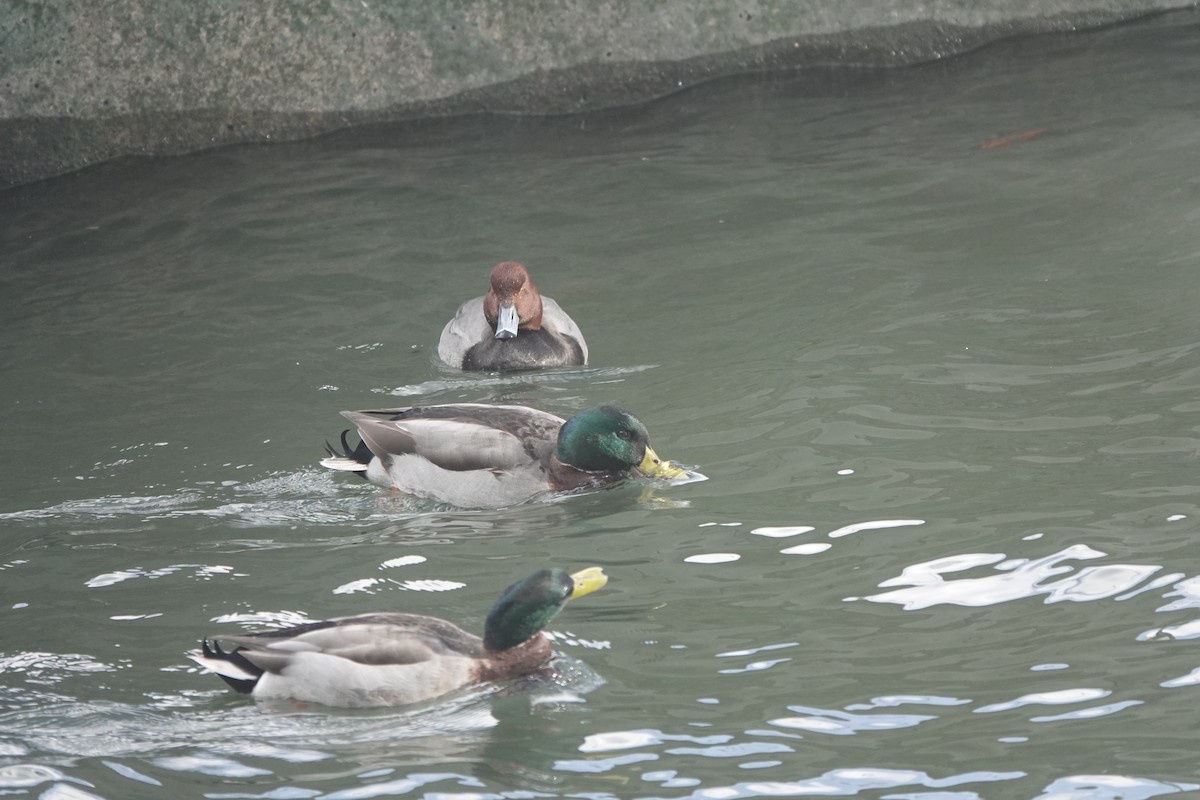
[82,83]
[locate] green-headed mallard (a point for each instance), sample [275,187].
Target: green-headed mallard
[510,328]
[484,456]
[392,659]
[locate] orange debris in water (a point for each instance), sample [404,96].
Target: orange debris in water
[1005,141]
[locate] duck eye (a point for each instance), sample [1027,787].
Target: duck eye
[624,434]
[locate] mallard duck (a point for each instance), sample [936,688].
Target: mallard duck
[510,328]
[473,455]
[392,659]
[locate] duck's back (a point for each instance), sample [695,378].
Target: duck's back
[369,660]
[465,454]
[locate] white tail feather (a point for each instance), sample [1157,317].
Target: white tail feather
[343,464]
[221,666]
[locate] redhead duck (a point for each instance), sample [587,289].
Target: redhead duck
[392,659]
[511,328]
[486,456]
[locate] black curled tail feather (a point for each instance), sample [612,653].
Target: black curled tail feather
[362,454]
[243,685]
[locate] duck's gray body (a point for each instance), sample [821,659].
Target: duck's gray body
[466,454]
[382,659]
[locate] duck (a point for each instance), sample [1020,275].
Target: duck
[397,659]
[511,328]
[476,455]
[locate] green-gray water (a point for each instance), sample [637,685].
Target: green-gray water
[945,395]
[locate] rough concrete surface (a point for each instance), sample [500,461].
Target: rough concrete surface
[82,82]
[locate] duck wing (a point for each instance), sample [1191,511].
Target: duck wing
[468,326]
[375,640]
[561,321]
[462,436]
[369,660]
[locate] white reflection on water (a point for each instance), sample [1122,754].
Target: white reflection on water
[754,666]
[21,776]
[806,549]
[813,548]
[273,507]
[200,571]
[471,381]
[403,561]
[874,525]
[304,497]
[360,585]
[609,741]
[375,585]
[108,507]
[782,532]
[429,585]
[50,668]
[1089,713]
[1187,593]
[711,746]
[669,778]
[406,785]
[712,558]
[571,640]
[739,750]
[850,782]
[1111,787]
[844,723]
[215,733]
[598,765]
[265,619]
[209,765]
[127,771]
[1046,698]
[1017,578]
[893,700]
[755,650]
[1191,679]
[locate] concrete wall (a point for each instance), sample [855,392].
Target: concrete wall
[83,81]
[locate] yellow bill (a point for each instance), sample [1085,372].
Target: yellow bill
[587,581]
[654,467]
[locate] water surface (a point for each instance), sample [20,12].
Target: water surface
[931,333]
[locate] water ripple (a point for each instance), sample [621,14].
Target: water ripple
[847,783]
[1040,423]
[1089,713]
[1017,578]
[1004,376]
[1111,787]
[199,571]
[845,723]
[1046,698]
[739,750]
[211,730]
[754,666]
[462,381]
[51,668]
[609,741]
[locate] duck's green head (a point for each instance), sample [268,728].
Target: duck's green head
[529,604]
[608,439]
